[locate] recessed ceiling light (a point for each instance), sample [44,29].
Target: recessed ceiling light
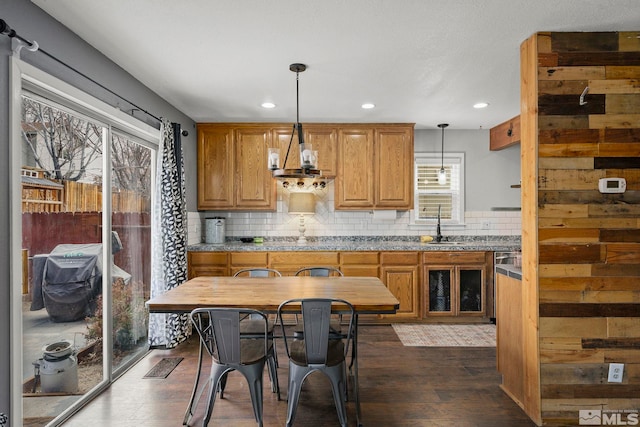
[368,105]
[481,105]
[268,105]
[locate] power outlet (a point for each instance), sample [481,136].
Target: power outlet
[616,371]
[486,225]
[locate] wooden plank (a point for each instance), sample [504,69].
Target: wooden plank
[616,163]
[622,72]
[614,210]
[555,179]
[562,87]
[589,310]
[618,150]
[555,296]
[611,343]
[505,134]
[585,284]
[588,223]
[569,136]
[563,211]
[563,122]
[617,270]
[572,235]
[584,41]
[614,86]
[586,196]
[623,253]
[569,105]
[579,373]
[614,121]
[622,135]
[565,163]
[619,235]
[622,103]
[548,59]
[629,41]
[569,150]
[624,327]
[571,73]
[592,59]
[572,356]
[572,326]
[564,270]
[582,391]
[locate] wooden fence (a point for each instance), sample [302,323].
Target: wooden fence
[78,197]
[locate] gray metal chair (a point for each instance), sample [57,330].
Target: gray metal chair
[219,332]
[319,271]
[319,349]
[257,272]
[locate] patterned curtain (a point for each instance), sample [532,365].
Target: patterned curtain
[169,238]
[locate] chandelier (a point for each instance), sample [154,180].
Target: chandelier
[308,157]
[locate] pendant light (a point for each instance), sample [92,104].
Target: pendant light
[442,174]
[308,157]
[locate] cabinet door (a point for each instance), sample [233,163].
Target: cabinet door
[215,167]
[255,187]
[471,294]
[440,293]
[206,264]
[402,281]
[324,139]
[354,182]
[394,167]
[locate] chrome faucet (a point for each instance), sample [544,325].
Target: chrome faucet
[438,232]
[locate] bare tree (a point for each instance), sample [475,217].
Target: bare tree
[131,165]
[61,144]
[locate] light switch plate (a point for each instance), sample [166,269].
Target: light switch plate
[616,370]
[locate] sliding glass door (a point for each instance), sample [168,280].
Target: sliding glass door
[86,176]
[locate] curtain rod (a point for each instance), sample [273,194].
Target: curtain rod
[33,46]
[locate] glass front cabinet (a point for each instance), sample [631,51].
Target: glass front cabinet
[454,288]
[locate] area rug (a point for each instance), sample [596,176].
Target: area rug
[163,368]
[480,335]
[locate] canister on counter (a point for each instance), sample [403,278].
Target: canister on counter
[215,230]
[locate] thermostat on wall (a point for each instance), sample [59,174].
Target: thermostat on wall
[612,185]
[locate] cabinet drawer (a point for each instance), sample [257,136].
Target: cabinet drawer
[303,259]
[258,259]
[359,258]
[208,258]
[360,271]
[457,257]
[399,258]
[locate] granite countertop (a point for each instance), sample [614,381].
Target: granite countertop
[509,270]
[466,243]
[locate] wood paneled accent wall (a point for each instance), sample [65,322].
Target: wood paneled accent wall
[581,248]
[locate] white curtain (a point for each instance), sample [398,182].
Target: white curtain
[169,238]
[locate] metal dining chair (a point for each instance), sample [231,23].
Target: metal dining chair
[319,271]
[319,350]
[219,332]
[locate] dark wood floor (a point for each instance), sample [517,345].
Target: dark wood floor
[400,386]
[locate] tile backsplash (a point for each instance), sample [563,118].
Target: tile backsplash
[329,222]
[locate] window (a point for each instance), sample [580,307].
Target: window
[431,197]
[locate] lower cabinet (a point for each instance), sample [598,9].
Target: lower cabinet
[455,284]
[428,285]
[207,264]
[400,272]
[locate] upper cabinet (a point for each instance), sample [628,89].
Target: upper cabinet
[372,164]
[232,167]
[375,167]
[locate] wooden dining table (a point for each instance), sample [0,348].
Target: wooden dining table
[368,295]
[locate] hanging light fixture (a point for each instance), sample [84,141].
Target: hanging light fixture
[308,157]
[442,174]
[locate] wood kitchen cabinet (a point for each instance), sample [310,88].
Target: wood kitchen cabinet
[456,284]
[207,264]
[232,167]
[323,139]
[399,272]
[375,167]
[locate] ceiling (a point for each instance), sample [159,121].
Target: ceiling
[418,61]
